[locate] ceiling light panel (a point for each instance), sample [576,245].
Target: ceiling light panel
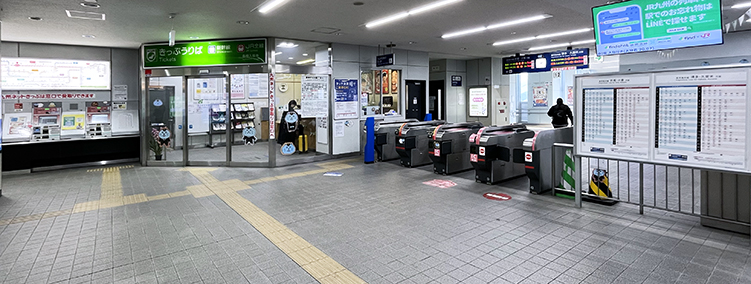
[286,45]
[85,15]
[415,11]
[741,5]
[270,5]
[583,42]
[306,61]
[542,36]
[496,26]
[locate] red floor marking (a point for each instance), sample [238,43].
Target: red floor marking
[497,196]
[440,183]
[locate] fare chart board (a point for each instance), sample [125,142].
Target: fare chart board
[686,118]
[27,74]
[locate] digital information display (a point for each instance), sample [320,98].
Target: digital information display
[690,118]
[575,58]
[648,25]
[30,74]
[478,102]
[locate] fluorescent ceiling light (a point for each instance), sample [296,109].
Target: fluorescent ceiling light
[290,58]
[304,54]
[287,45]
[85,15]
[306,61]
[542,36]
[277,53]
[741,5]
[414,11]
[270,5]
[562,45]
[564,33]
[514,41]
[495,26]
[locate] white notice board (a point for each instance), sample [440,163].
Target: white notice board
[687,118]
[314,99]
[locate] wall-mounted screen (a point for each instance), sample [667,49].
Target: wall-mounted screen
[648,25]
[25,74]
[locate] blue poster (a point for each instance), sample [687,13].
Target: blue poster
[345,99]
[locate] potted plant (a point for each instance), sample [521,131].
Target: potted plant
[156,148]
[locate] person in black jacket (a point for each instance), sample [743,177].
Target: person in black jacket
[289,129]
[561,113]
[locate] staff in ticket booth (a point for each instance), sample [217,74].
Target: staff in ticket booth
[561,113]
[290,127]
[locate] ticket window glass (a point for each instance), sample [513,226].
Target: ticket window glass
[300,100]
[533,94]
[249,95]
[166,110]
[380,92]
[208,119]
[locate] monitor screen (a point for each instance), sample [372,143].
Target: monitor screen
[100,118]
[649,25]
[47,120]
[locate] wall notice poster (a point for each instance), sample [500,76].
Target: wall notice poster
[345,101]
[73,121]
[377,80]
[120,92]
[366,87]
[540,96]
[478,102]
[314,99]
[570,95]
[339,129]
[249,85]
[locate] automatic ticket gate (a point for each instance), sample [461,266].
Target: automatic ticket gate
[449,147]
[412,142]
[543,162]
[385,139]
[492,150]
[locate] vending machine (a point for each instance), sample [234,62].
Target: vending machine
[46,121]
[98,120]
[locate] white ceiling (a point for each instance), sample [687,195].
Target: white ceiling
[130,23]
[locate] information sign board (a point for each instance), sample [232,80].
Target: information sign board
[26,74]
[206,53]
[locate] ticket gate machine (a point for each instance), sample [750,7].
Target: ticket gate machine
[385,133]
[412,142]
[543,162]
[491,152]
[449,148]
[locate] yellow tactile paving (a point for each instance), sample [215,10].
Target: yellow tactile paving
[319,265]
[112,192]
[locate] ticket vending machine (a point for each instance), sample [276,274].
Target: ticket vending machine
[544,162]
[412,142]
[46,121]
[385,133]
[98,120]
[449,148]
[492,152]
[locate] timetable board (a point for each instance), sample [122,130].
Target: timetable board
[700,118]
[687,118]
[615,116]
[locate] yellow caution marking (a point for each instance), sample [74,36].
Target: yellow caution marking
[319,265]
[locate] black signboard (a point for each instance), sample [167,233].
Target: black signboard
[385,60]
[532,63]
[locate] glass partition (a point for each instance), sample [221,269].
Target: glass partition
[165,106]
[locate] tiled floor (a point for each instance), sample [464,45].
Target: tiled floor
[378,221]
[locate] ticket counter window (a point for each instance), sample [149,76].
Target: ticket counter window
[381,92]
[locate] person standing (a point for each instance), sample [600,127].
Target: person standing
[561,114]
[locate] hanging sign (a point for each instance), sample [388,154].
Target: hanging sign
[207,53]
[385,60]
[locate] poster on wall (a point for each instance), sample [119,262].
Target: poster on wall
[540,95]
[386,83]
[237,86]
[345,101]
[395,82]
[272,107]
[249,85]
[570,95]
[377,80]
[366,87]
[120,92]
[314,99]
[478,102]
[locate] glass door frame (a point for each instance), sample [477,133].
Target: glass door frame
[197,72]
[186,122]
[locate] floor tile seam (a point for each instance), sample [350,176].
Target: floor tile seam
[235,201]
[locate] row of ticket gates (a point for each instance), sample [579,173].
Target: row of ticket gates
[496,153]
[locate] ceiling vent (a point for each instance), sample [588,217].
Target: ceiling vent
[85,15]
[325,30]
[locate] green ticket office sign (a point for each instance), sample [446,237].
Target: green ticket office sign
[207,53]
